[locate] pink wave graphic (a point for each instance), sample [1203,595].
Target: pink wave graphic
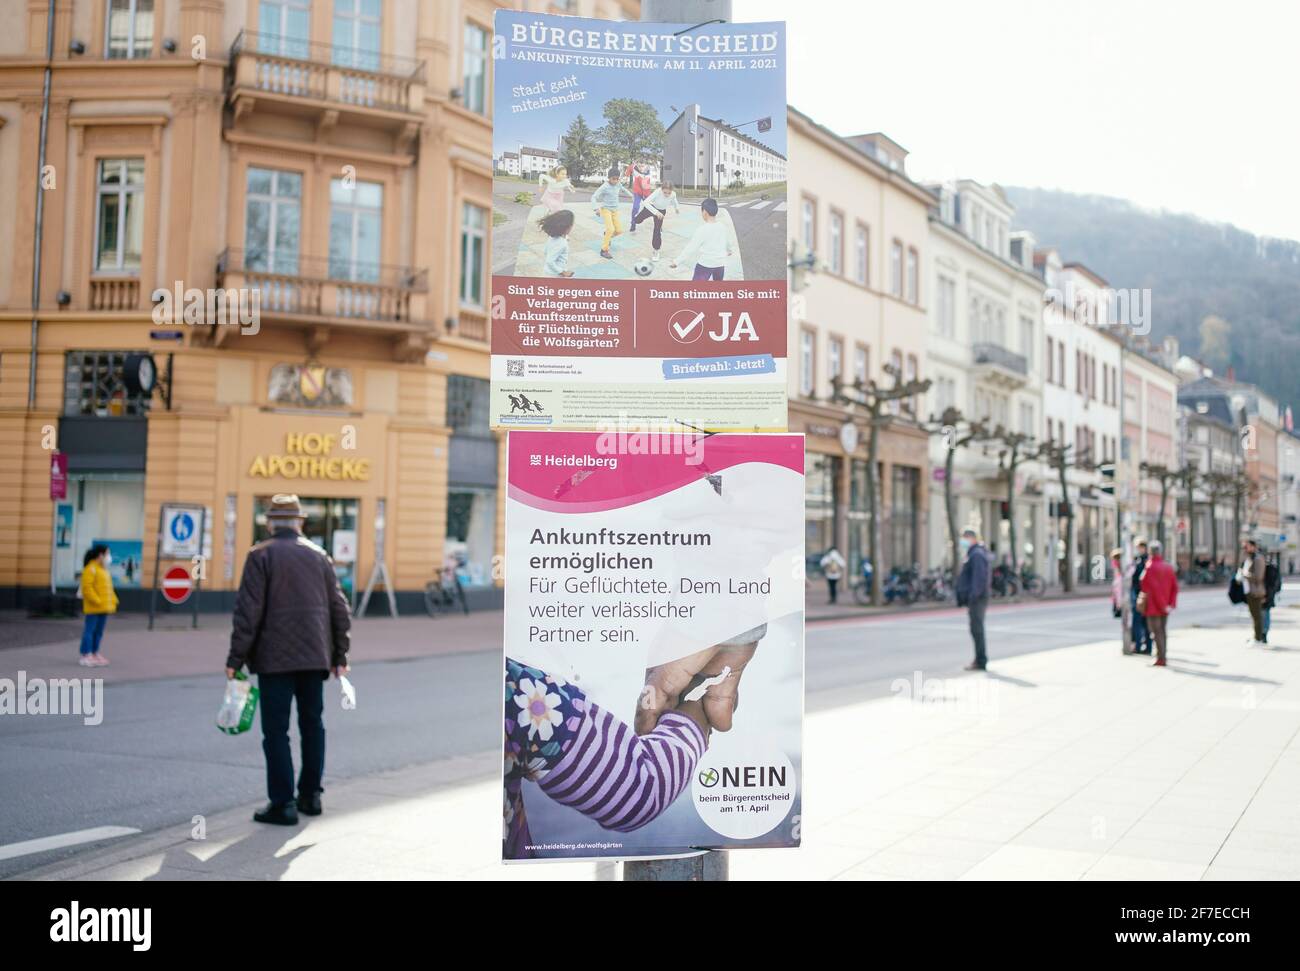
[582,472]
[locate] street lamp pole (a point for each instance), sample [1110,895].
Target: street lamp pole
[711,865]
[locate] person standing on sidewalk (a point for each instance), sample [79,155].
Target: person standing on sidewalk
[98,600]
[292,628]
[1141,633]
[973,585]
[833,565]
[1159,596]
[1252,576]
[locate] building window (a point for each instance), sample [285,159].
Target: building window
[474,82]
[860,256]
[861,363]
[284,27]
[119,215]
[1027,340]
[467,405]
[945,299]
[807,363]
[903,520]
[913,276]
[1060,368]
[473,246]
[272,221]
[93,386]
[356,230]
[837,243]
[835,358]
[1051,360]
[1027,418]
[130,29]
[809,227]
[896,269]
[357,33]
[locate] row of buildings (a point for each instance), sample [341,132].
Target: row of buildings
[336,158]
[934,282]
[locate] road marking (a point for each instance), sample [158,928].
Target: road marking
[780,207]
[763,204]
[27,847]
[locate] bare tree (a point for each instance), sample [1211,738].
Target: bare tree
[1017,449]
[1060,458]
[873,401]
[1166,477]
[958,432]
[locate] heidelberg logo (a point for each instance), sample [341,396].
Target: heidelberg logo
[686,327]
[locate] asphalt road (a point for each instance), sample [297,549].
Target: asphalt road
[157,761]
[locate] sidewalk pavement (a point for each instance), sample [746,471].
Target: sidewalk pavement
[172,649]
[1077,763]
[816,608]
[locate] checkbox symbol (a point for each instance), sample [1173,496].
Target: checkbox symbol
[687,325]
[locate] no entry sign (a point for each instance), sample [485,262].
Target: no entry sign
[177,585]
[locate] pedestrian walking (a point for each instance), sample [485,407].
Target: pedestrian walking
[1252,577]
[291,627]
[833,565]
[98,600]
[1273,584]
[1159,595]
[973,586]
[1141,632]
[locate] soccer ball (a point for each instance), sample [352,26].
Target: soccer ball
[642,268]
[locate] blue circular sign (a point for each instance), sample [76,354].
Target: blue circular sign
[182,527]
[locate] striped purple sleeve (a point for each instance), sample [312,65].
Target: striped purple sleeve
[620,779]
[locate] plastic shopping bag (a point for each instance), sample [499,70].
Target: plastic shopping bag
[349,697]
[238,706]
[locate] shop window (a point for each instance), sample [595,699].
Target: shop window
[119,215]
[93,386]
[130,29]
[471,534]
[905,485]
[331,523]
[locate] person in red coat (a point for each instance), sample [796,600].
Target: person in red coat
[1160,593]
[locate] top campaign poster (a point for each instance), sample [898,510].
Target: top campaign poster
[639,225]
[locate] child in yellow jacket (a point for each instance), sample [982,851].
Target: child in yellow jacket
[98,601]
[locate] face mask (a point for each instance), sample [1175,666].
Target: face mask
[108,559]
[965,544]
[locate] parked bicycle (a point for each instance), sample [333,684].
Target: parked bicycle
[1004,582]
[1031,583]
[441,596]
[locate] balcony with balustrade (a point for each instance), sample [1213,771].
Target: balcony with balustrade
[326,84]
[319,294]
[999,366]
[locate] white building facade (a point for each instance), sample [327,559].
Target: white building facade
[706,153]
[984,342]
[1083,365]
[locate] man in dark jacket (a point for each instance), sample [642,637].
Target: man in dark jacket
[291,627]
[1142,640]
[973,584]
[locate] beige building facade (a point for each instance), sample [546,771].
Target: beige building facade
[323,167]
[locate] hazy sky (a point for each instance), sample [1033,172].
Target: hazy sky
[1185,105]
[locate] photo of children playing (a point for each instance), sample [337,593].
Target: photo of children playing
[625,175]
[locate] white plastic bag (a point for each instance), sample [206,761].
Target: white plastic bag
[238,705]
[349,697]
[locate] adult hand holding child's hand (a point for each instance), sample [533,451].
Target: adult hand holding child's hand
[666,683]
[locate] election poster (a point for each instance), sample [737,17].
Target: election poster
[654,633]
[639,224]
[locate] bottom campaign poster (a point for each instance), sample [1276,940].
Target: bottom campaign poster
[653,700]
